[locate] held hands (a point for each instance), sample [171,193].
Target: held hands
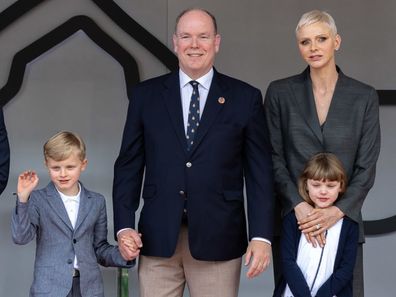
[130,243]
[27,181]
[316,222]
[258,257]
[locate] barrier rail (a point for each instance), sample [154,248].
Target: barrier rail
[122,282]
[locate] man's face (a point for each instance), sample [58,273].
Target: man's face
[196,43]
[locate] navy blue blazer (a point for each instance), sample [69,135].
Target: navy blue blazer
[4,154]
[339,283]
[231,146]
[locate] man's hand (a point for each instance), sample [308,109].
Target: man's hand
[318,221]
[129,242]
[258,257]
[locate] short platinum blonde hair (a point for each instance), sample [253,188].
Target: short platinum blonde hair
[60,146]
[315,16]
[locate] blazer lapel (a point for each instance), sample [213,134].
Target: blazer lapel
[211,110]
[56,203]
[338,98]
[84,208]
[172,100]
[305,102]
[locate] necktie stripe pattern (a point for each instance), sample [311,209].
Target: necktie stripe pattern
[193,115]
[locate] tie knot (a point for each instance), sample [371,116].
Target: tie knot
[194,84]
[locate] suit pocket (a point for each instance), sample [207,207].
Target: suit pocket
[42,279]
[233,195]
[149,191]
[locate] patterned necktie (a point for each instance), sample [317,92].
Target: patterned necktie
[193,115]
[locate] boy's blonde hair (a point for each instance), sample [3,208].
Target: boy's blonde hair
[323,167]
[60,146]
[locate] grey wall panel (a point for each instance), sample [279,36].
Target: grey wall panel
[80,87]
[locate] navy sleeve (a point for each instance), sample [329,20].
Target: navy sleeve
[343,272]
[289,246]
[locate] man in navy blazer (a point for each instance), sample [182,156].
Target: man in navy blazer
[192,226]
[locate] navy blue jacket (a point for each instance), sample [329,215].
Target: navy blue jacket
[231,146]
[339,283]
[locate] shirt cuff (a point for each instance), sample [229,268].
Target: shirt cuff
[119,231]
[258,239]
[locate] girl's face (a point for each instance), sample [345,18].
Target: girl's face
[323,193]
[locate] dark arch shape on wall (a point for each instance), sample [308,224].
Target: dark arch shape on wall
[56,36]
[16,10]
[116,14]
[136,31]
[382,226]
[387,225]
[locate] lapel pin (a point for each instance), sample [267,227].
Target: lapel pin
[221,100]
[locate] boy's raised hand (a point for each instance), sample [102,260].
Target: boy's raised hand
[27,181]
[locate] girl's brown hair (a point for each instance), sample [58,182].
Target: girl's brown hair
[322,166]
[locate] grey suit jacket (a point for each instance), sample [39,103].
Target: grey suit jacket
[351,132]
[44,217]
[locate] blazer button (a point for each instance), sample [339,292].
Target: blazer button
[182,193]
[188,164]
[69,261]
[74,240]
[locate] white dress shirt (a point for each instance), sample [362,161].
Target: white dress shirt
[72,204]
[186,90]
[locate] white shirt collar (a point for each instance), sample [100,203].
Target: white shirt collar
[204,80]
[75,198]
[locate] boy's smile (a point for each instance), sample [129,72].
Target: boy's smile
[66,173]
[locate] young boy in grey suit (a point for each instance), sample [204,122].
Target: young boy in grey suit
[68,221]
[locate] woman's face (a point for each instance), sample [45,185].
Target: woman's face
[317,44]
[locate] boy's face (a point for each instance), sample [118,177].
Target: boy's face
[65,174]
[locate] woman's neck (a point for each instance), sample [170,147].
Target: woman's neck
[324,79]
